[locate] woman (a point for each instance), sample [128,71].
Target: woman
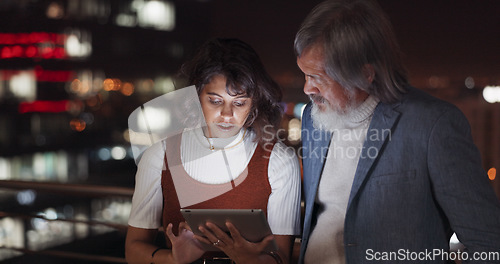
[240,103]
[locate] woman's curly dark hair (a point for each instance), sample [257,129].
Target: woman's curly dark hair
[245,74]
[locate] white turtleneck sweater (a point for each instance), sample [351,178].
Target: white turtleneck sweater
[326,243]
[212,167]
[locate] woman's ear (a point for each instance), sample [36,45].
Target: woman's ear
[252,115]
[369,72]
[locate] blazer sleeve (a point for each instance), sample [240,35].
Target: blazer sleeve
[461,186]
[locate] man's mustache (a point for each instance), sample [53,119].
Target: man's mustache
[318,99]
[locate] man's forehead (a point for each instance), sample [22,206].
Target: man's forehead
[312,58]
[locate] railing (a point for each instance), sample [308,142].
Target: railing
[66,188]
[72,255]
[91,192]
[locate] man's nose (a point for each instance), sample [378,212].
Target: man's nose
[310,89]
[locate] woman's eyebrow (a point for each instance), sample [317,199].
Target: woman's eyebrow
[212,93]
[238,96]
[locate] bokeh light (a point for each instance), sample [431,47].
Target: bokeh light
[118,153]
[298,110]
[294,132]
[77,124]
[491,94]
[469,82]
[104,154]
[492,173]
[26,197]
[127,89]
[108,84]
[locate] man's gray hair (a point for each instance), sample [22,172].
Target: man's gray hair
[354,34]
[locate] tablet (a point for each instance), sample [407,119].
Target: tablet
[251,223]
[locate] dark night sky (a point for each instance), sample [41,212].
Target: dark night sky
[452,38]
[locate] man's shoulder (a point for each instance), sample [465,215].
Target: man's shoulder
[416,101]
[420,109]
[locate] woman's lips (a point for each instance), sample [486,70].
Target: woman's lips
[225,126]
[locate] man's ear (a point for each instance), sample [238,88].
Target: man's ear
[369,72]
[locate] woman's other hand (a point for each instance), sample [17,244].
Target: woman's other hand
[185,248]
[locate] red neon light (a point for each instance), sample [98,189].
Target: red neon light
[17,51]
[6,53]
[31,45]
[47,52]
[39,37]
[44,106]
[31,38]
[53,76]
[23,38]
[7,39]
[31,51]
[42,75]
[59,53]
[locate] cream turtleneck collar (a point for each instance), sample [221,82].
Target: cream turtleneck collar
[363,112]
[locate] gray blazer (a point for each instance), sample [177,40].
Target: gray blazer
[418,180]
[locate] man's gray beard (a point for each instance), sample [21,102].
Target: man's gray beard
[328,118]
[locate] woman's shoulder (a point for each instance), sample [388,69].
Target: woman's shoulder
[284,165]
[153,154]
[283,153]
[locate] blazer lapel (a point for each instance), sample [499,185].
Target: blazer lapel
[383,121]
[318,151]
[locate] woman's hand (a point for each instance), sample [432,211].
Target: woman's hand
[185,248]
[235,246]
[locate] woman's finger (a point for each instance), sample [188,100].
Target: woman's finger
[184,226]
[235,234]
[219,233]
[266,241]
[169,232]
[208,234]
[262,245]
[203,239]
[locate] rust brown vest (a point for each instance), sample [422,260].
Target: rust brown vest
[245,192]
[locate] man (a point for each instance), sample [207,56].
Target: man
[389,171]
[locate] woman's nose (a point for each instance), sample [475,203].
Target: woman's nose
[226,111]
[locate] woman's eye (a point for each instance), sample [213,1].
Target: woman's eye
[215,101]
[238,103]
